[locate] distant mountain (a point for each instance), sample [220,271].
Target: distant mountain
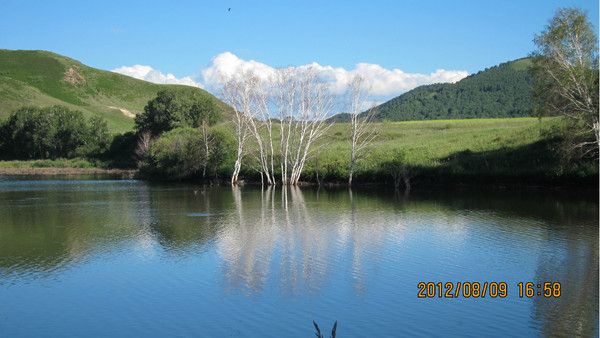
[500,91]
[42,78]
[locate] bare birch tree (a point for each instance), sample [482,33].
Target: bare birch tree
[143,146]
[362,132]
[236,95]
[566,76]
[304,103]
[301,103]
[284,89]
[207,140]
[248,96]
[260,124]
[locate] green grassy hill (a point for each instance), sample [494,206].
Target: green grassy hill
[42,78]
[499,91]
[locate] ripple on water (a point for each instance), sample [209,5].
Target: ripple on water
[197,214]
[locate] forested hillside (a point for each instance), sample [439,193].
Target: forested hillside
[500,91]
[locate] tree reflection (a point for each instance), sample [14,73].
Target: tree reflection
[48,226]
[246,241]
[259,230]
[299,243]
[183,219]
[365,236]
[574,263]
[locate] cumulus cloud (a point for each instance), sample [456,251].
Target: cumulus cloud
[226,65]
[380,81]
[150,74]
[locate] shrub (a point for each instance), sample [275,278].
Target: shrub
[222,152]
[175,108]
[97,138]
[396,167]
[121,152]
[181,154]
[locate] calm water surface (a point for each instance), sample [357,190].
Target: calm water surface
[131,259]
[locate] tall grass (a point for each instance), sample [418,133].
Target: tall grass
[507,147]
[58,163]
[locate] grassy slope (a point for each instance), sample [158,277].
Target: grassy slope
[426,142]
[38,78]
[510,147]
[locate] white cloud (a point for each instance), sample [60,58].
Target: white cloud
[150,74]
[380,81]
[368,104]
[226,65]
[383,83]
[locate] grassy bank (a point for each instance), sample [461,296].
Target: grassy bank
[507,150]
[61,167]
[58,163]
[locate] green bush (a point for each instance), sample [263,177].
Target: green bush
[121,152]
[175,108]
[52,132]
[181,154]
[222,157]
[97,138]
[395,167]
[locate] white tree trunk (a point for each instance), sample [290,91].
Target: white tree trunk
[362,132]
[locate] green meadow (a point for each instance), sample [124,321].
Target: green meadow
[454,149]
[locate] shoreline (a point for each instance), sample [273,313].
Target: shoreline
[423,182]
[52,171]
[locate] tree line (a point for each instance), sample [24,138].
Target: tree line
[51,133]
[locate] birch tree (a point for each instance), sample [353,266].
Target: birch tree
[260,124]
[566,76]
[235,94]
[362,132]
[304,103]
[207,141]
[298,100]
[143,145]
[248,95]
[284,89]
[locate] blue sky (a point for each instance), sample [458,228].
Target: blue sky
[182,37]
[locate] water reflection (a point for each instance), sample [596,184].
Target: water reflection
[44,228]
[246,241]
[573,261]
[296,243]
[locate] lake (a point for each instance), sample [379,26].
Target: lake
[127,258]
